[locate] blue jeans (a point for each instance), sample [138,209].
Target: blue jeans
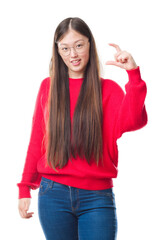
[69,213]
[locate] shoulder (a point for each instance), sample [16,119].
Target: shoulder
[43,91]
[44,86]
[45,83]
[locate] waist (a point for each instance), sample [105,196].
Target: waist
[86,183]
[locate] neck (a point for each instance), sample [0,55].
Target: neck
[76,75]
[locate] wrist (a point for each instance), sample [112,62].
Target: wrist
[24,192]
[134,75]
[134,66]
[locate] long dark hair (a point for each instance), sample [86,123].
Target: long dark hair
[84,137]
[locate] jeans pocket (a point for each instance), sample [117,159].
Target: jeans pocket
[106,193]
[44,187]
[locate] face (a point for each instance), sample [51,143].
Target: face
[76,47]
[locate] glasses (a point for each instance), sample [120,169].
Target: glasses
[79,47]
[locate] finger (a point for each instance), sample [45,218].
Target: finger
[124,54]
[123,59]
[29,215]
[115,46]
[118,64]
[117,55]
[24,214]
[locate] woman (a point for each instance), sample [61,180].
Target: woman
[72,154]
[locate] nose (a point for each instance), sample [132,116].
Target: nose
[73,52]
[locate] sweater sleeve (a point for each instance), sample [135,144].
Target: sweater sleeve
[30,177]
[132,114]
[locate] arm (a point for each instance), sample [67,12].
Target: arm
[30,177]
[131,113]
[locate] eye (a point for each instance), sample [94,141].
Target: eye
[79,45]
[64,49]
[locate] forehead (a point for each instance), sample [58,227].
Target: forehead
[71,37]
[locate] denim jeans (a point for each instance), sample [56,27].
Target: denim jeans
[69,213]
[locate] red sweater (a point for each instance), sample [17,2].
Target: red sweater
[122,112]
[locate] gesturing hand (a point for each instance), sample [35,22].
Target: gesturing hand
[123,59]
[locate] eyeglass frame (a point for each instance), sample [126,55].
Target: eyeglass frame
[71,47]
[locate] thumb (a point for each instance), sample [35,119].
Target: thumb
[110,63]
[118,64]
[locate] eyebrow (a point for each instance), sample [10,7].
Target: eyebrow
[74,42]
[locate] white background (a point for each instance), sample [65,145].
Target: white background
[26,38]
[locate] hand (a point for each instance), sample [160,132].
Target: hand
[123,59]
[23,207]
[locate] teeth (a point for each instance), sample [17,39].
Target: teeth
[75,61]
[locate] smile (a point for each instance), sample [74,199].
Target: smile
[76,62]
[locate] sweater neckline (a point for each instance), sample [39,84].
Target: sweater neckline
[76,79]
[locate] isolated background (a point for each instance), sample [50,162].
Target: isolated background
[26,38]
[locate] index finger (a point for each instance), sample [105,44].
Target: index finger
[116,46]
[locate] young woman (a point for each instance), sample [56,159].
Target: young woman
[72,155]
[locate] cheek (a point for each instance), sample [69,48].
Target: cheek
[86,57]
[66,61]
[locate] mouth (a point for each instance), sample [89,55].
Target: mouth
[76,62]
